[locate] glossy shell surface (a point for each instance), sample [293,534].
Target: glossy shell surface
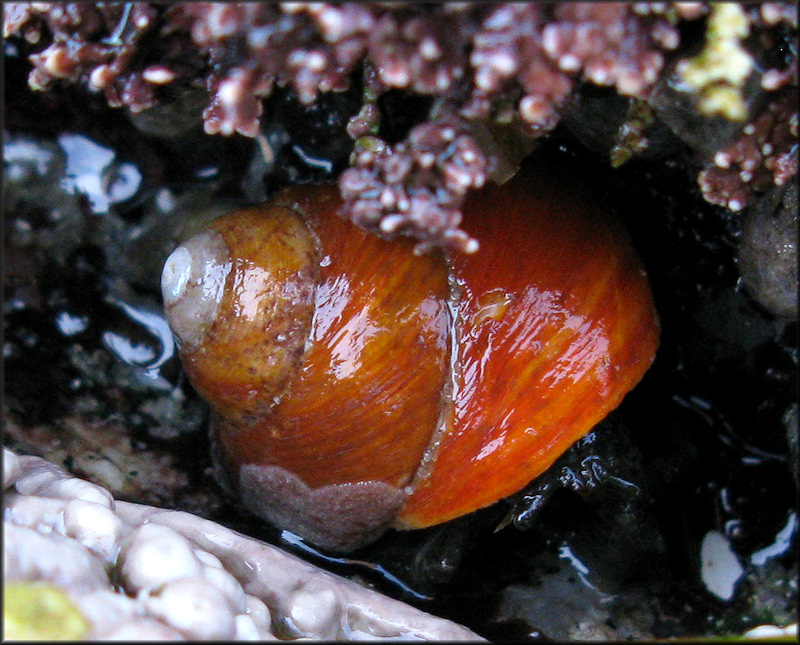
[357,386]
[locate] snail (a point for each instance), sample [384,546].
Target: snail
[357,386]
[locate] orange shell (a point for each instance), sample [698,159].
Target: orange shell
[408,390]
[555,324]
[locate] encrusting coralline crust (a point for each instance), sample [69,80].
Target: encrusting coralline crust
[508,64]
[99,568]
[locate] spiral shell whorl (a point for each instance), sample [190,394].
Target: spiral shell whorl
[193,284]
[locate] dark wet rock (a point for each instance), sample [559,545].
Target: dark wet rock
[768,252]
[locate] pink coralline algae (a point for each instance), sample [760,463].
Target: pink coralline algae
[765,154]
[516,65]
[418,184]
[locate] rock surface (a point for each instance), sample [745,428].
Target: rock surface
[139,572]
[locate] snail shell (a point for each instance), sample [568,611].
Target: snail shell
[356,386]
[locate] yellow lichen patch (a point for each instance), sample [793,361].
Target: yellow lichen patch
[40,611]
[719,71]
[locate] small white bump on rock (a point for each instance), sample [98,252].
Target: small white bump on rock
[259,612]
[47,480]
[30,555]
[228,585]
[12,468]
[74,488]
[94,526]
[141,629]
[105,609]
[153,555]
[208,559]
[35,474]
[195,608]
[42,514]
[316,613]
[245,628]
